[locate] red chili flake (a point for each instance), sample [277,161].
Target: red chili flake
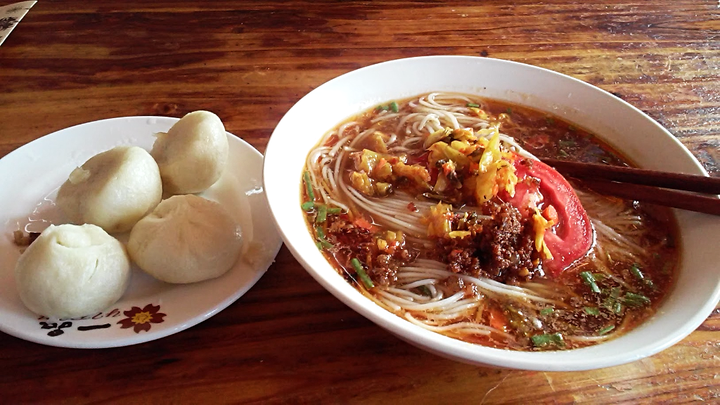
[411,206]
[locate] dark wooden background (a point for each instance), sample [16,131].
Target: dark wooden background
[288,340]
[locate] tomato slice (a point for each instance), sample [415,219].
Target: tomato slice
[572,237]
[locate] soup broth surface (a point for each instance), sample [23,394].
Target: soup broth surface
[437,209]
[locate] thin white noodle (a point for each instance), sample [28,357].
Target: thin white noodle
[360,200]
[620,233]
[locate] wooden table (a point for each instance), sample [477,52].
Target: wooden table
[288,340]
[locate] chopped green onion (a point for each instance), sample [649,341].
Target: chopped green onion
[590,281]
[605,330]
[425,290]
[508,110]
[323,243]
[592,311]
[394,107]
[308,185]
[547,311]
[308,206]
[382,108]
[472,105]
[611,302]
[563,153]
[546,339]
[635,270]
[550,120]
[635,300]
[571,128]
[322,214]
[361,273]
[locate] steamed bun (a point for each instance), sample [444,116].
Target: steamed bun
[185,239]
[72,271]
[112,190]
[192,154]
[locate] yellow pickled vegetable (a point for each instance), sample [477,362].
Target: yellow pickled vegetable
[459,234]
[416,173]
[362,183]
[540,225]
[443,151]
[368,160]
[382,188]
[436,136]
[438,220]
[379,141]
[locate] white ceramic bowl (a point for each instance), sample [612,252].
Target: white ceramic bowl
[649,145]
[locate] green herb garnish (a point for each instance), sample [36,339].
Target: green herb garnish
[425,290]
[590,281]
[322,214]
[321,241]
[361,273]
[472,105]
[394,107]
[612,302]
[635,300]
[547,311]
[547,339]
[606,329]
[308,185]
[635,270]
[592,311]
[307,206]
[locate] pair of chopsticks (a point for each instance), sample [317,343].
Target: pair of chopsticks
[645,185]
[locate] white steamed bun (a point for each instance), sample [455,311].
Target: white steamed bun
[185,239]
[112,190]
[192,154]
[72,271]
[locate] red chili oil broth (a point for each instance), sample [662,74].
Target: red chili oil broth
[548,136]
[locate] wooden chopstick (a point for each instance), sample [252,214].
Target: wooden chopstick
[654,195]
[677,181]
[646,185]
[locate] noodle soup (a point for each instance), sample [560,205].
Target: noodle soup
[438,209]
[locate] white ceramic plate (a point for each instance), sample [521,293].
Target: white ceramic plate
[649,145]
[31,176]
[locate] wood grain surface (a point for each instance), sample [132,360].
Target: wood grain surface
[288,340]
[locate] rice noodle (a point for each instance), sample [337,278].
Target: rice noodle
[422,295]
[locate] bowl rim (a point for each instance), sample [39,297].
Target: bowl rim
[567,360]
